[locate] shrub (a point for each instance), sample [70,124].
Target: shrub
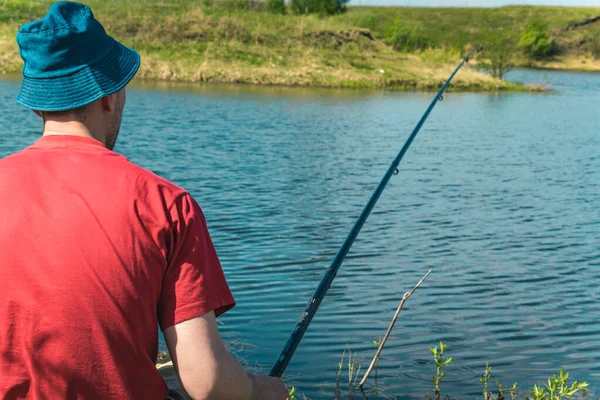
[440,363]
[593,45]
[299,6]
[498,56]
[276,6]
[557,388]
[365,19]
[536,42]
[322,7]
[406,37]
[229,28]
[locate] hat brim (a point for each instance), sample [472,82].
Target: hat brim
[83,87]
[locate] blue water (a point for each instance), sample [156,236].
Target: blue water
[499,195]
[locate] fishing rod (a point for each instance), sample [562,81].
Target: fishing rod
[313,305]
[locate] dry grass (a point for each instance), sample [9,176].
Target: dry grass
[570,63]
[192,42]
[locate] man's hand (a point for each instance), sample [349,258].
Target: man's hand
[269,388]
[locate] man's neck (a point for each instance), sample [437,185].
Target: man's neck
[70,128]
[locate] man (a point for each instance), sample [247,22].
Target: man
[96,252]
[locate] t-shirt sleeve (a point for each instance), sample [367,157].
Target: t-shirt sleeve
[194,283]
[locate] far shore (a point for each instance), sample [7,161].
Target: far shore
[215,41]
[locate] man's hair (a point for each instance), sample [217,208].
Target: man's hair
[78,114]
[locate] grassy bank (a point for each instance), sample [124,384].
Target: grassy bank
[239,42]
[576,47]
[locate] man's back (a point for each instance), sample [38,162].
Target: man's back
[87,241]
[96,251]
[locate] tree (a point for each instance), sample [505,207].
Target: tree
[536,42]
[498,56]
[276,6]
[593,45]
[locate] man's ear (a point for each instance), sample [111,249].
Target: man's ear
[38,113]
[108,103]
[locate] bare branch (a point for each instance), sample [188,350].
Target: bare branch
[389,330]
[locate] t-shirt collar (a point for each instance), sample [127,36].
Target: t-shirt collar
[66,141]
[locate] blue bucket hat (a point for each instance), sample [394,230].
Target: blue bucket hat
[70,61]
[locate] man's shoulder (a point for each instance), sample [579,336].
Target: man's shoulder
[116,171]
[12,158]
[19,163]
[151,184]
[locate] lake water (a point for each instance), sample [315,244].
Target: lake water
[499,195]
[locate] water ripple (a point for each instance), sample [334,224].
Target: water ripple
[499,196]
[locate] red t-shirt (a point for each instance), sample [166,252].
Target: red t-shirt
[95,252]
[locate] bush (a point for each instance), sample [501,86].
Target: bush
[497,57]
[535,41]
[276,6]
[406,37]
[229,28]
[593,45]
[365,19]
[321,7]
[299,6]
[557,388]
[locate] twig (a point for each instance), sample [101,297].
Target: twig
[350,371]
[389,330]
[337,381]
[358,372]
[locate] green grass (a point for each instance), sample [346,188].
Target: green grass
[238,42]
[458,27]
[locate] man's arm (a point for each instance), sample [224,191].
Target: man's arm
[207,370]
